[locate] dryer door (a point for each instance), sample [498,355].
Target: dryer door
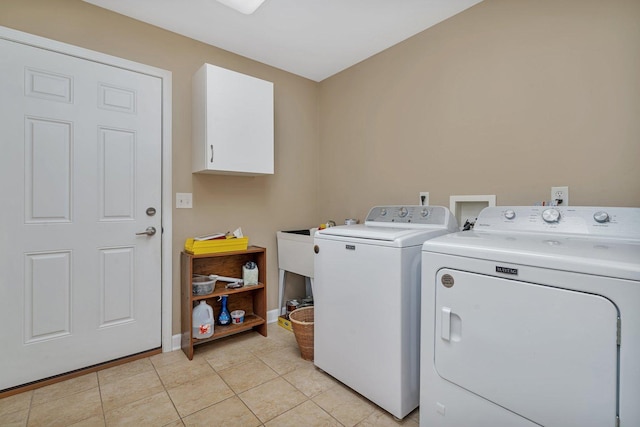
[545,353]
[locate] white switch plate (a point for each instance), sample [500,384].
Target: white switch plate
[561,193]
[184,200]
[424,198]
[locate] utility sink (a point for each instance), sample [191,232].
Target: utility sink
[295,255]
[295,251]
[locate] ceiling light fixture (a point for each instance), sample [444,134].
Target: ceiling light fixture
[243,6]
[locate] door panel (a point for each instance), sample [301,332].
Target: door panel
[117,286]
[81,163]
[116,174]
[47,310]
[47,170]
[547,354]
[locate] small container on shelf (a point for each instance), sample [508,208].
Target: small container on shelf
[202,285]
[250,273]
[237,317]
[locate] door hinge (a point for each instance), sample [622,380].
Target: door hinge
[618,333]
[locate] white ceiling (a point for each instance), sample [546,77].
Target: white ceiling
[311,38]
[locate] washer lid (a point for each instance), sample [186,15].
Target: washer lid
[362,231]
[398,226]
[384,236]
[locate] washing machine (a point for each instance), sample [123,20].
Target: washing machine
[367,302]
[533,319]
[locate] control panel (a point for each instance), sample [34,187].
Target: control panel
[600,221]
[387,215]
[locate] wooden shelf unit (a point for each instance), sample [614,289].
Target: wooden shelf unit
[251,299]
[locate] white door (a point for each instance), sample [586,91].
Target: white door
[80,165]
[547,354]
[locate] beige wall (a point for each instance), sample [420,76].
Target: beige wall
[260,205]
[506,98]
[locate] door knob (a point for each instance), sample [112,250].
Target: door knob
[150,231]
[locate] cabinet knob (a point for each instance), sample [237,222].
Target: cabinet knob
[316,248]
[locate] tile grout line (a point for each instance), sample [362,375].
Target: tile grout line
[164,387]
[235,394]
[104,415]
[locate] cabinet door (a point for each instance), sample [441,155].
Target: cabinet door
[232,123]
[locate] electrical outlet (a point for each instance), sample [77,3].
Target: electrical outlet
[560,196]
[424,198]
[184,200]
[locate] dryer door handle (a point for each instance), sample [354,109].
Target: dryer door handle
[445,324]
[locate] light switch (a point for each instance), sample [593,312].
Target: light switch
[184,200]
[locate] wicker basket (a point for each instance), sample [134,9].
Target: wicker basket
[302,322]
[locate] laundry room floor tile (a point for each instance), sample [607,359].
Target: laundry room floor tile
[183,371]
[131,389]
[155,410]
[200,393]
[346,406]
[232,412]
[285,360]
[247,375]
[272,399]
[18,418]
[18,402]
[307,414]
[127,370]
[66,388]
[243,380]
[310,381]
[67,410]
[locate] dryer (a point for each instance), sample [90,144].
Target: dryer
[367,302]
[533,319]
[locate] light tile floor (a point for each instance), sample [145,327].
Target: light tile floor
[244,380]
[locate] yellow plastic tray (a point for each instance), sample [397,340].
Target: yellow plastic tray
[215,246]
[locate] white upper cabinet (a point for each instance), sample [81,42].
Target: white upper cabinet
[232,123]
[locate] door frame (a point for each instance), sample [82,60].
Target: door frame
[165,77]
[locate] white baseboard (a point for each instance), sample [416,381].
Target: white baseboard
[176,342]
[272,317]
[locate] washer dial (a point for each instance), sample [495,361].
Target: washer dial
[509,214]
[551,215]
[601,217]
[424,212]
[402,212]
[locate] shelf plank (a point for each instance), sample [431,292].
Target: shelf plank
[222,331]
[224,291]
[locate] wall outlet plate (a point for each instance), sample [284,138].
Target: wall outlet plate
[560,196]
[184,200]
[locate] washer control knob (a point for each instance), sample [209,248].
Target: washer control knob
[402,212]
[509,214]
[601,217]
[383,211]
[551,215]
[424,212]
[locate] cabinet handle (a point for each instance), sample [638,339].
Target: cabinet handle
[211,153]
